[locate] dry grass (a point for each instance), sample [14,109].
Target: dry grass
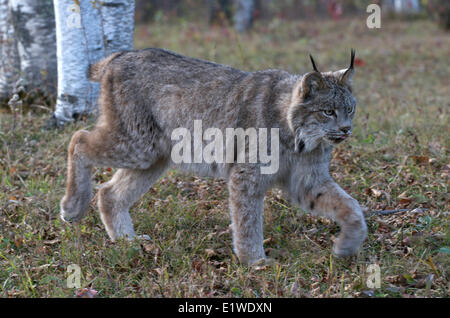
[398,158]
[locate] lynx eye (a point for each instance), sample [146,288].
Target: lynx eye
[329,112]
[350,109]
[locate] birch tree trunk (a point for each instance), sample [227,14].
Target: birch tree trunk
[9,60]
[28,45]
[402,6]
[86,32]
[243,16]
[34,30]
[406,6]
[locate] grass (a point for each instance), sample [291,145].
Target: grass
[397,158]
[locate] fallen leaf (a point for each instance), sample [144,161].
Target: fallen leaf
[405,201]
[421,159]
[87,293]
[197,265]
[268,240]
[52,242]
[403,195]
[160,271]
[445,172]
[148,248]
[18,242]
[210,252]
[259,268]
[376,193]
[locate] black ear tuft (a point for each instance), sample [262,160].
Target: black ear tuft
[346,77]
[313,64]
[352,61]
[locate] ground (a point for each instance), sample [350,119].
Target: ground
[397,158]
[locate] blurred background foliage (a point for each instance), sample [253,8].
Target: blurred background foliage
[221,11]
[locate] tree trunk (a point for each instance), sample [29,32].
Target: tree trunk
[406,6]
[85,34]
[243,16]
[28,45]
[402,6]
[118,24]
[9,59]
[34,29]
[219,11]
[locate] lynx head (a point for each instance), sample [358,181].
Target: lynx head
[322,108]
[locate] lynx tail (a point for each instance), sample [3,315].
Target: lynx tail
[96,71]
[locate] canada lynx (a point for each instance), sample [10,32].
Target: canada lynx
[147,94]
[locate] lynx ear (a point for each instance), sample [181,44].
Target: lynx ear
[347,75]
[312,83]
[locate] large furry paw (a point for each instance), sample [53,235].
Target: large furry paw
[74,209]
[346,251]
[262,262]
[348,244]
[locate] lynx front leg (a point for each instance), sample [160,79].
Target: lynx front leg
[331,201]
[246,205]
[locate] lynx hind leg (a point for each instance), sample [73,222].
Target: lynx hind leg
[331,201]
[75,202]
[120,193]
[246,207]
[87,149]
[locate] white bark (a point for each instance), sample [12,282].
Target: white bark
[86,34]
[28,49]
[34,29]
[9,60]
[118,23]
[406,6]
[243,16]
[402,6]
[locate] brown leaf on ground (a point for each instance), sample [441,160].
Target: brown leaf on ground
[210,252]
[445,172]
[52,242]
[421,160]
[374,192]
[87,293]
[405,201]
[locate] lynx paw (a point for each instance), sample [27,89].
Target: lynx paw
[72,211]
[348,245]
[344,251]
[262,262]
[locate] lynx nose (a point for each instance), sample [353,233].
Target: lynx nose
[345,129]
